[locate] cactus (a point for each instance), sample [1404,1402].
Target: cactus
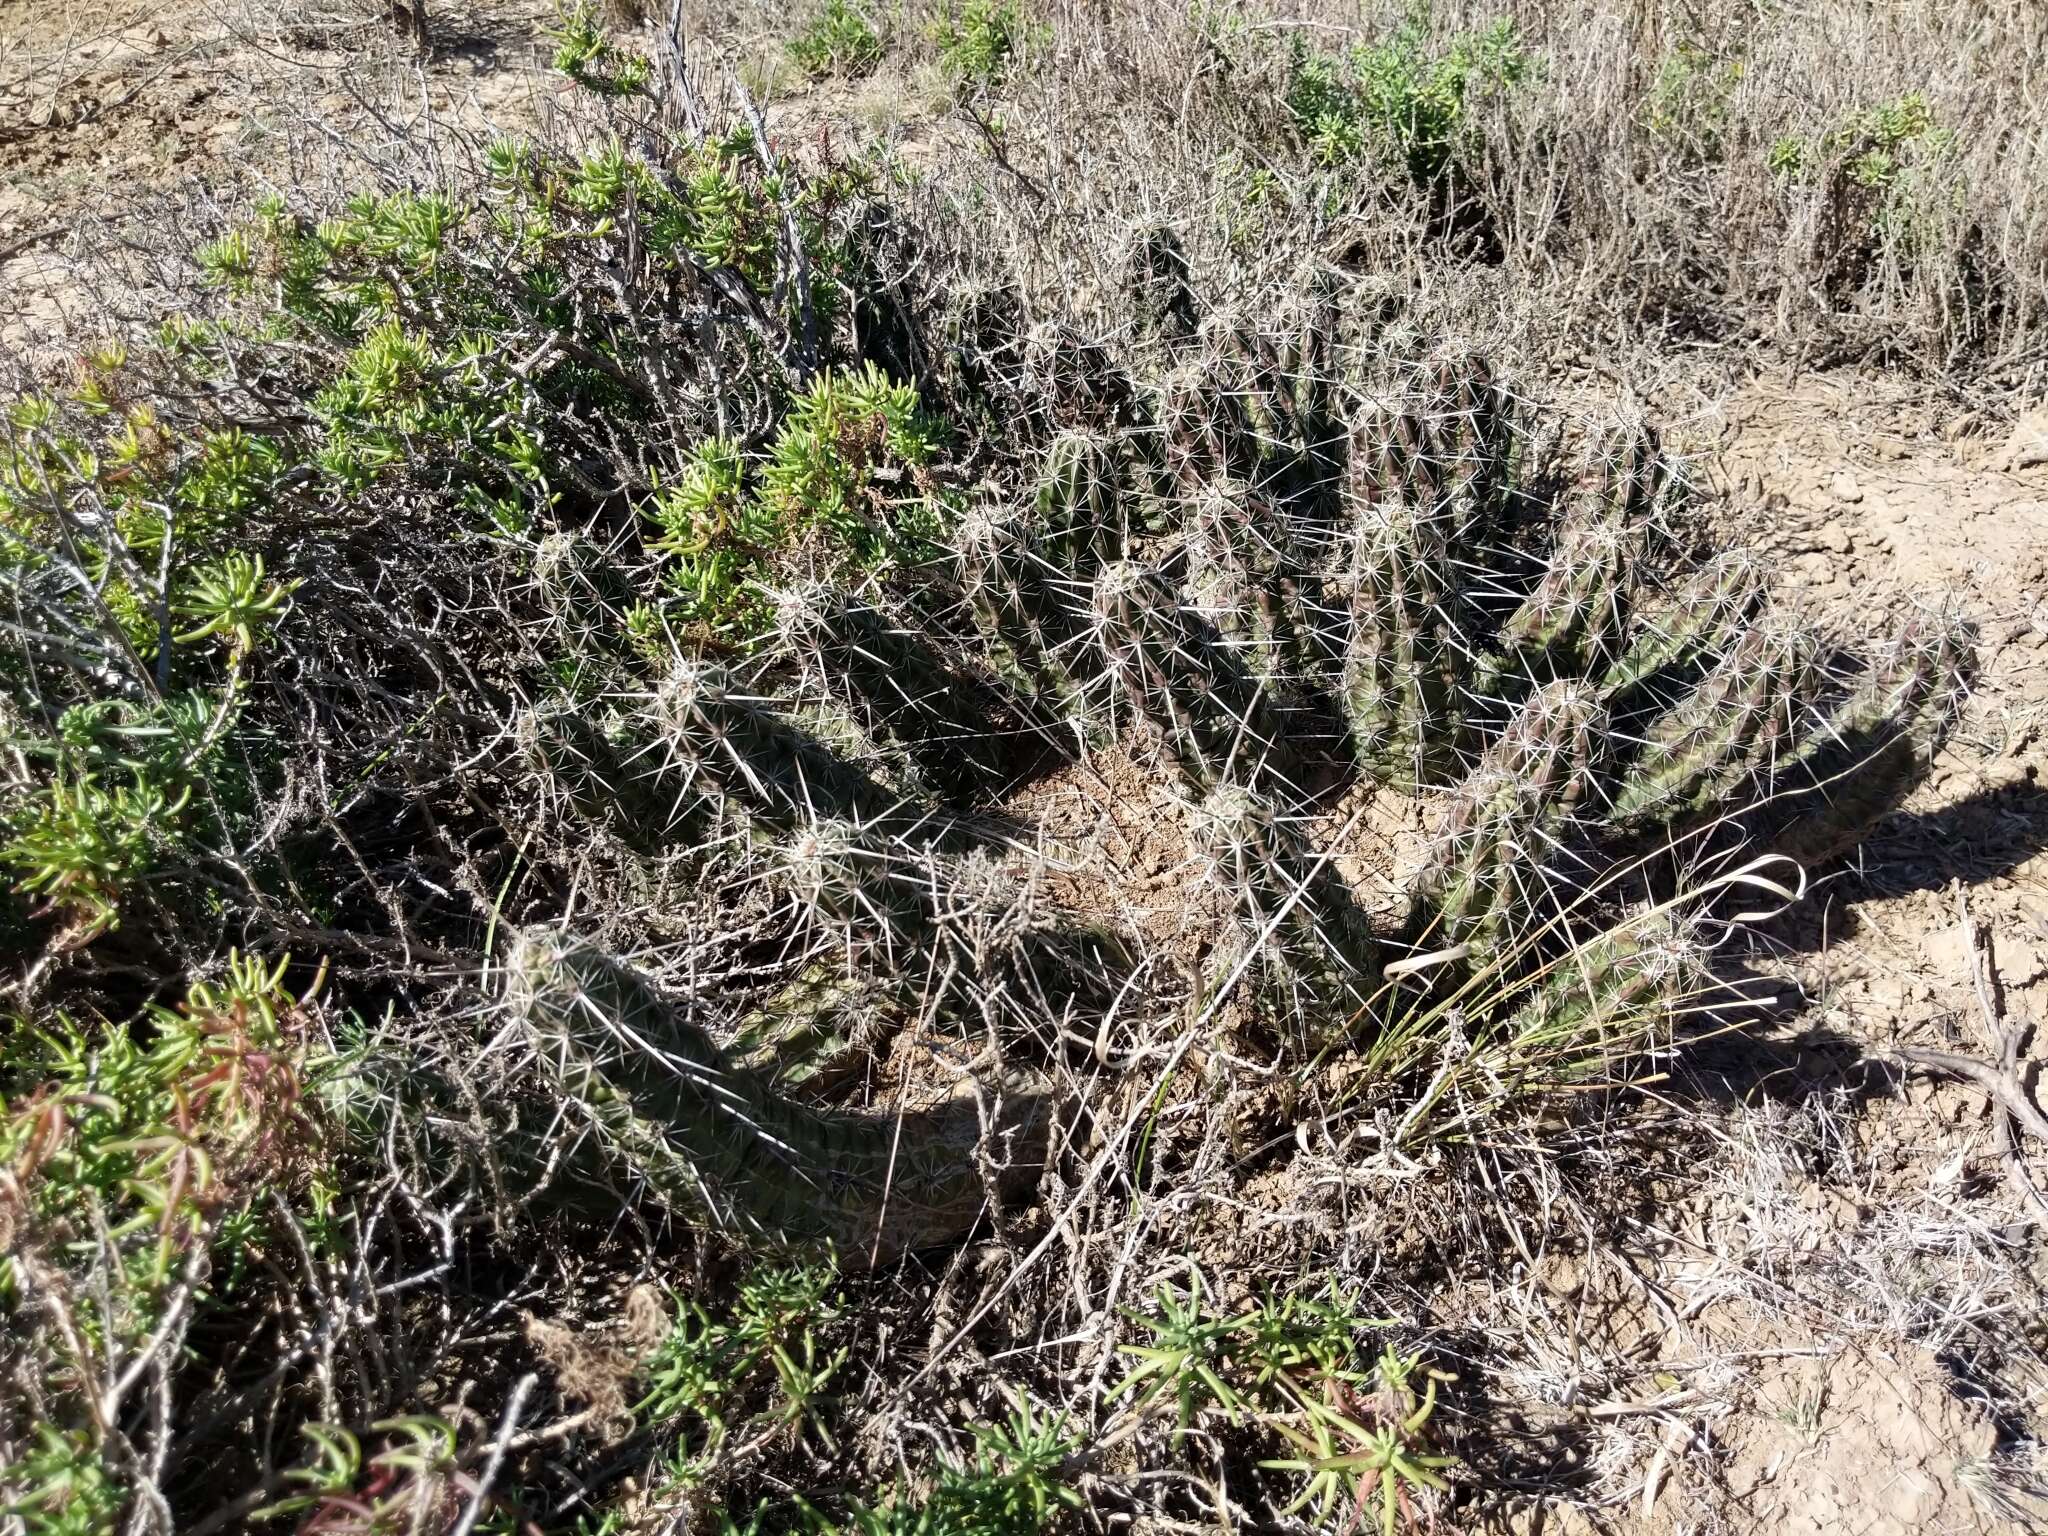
[1489,872]
[1246,575]
[583,590]
[1723,744]
[899,683]
[1602,994]
[1401,688]
[1083,511]
[1026,612]
[717,1143]
[1162,297]
[1712,606]
[1574,624]
[618,779]
[1323,964]
[1206,430]
[1213,720]
[1078,383]
[1631,473]
[879,901]
[1881,739]
[819,1029]
[1468,425]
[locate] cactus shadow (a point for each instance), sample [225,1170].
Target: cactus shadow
[1981,837]
[1757,1039]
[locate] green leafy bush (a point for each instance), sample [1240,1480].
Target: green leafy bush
[1399,102]
[978,38]
[1690,100]
[838,40]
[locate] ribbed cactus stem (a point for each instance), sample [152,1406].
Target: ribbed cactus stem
[1297,911]
[1405,660]
[1246,575]
[1026,609]
[761,761]
[1713,605]
[900,684]
[816,1031]
[1206,433]
[1881,740]
[1469,427]
[1391,459]
[1489,876]
[1631,472]
[1212,718]
[1721,747]
[1083,511]
[1574,624]
[1600,1000]
[582,588]
[717,1143]
[619,775]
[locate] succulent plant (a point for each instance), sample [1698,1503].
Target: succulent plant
[1212,718]
[1723,744]
[1407,648]
[1319,964]
[669,1112]
[1083,510]
[1575,623]
[1506,834]
[1026,609]
[898,684]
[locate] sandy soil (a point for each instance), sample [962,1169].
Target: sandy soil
[1804,1333]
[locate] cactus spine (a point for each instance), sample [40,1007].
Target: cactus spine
[902,685]
[1023,605]
[718,1143]
[1082,509]
[1574,624]
[763,763]
[1322,963]
[1213,719]
[1403,667]
[1488,874]
[1711,608]
[1729,736]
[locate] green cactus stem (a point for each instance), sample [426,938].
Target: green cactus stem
[1704,618]
[1721,748]
[1574,623]
[1083,510]
[1488,881]
[1213,720]
[1317,962]
[1026,609]
[717,1143]
[1882,739]
[1401,689]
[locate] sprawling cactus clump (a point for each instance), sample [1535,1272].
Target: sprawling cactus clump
[1413,603]
[761,737]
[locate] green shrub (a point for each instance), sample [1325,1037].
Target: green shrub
[838,40]
[978,38]
[1690,100]
[585,52]
[1396,100]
